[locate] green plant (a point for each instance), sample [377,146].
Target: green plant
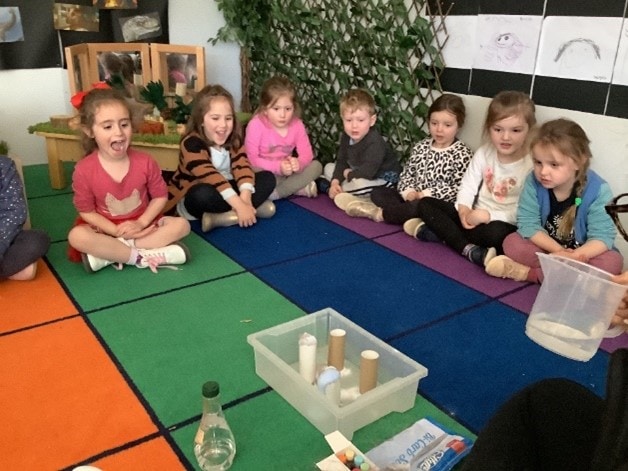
[154,93]
[329,46]
[247,24]
[4,148]
[181,112]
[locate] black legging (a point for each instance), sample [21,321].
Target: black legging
[395,209]
[442,218]
[204,198]
[557,424]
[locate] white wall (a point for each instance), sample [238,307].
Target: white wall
[609,143]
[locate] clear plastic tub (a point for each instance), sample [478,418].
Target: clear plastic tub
[574,307]
[277,363]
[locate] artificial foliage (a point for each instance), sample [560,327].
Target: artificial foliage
[326,47]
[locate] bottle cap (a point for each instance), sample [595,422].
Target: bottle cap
[211,389]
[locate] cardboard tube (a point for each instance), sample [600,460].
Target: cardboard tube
[307,357]
[369,362]
[336,352]
[181,89]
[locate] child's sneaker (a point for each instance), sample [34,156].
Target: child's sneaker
[504,267]
[164,257]
[342,200]
[93,264]
[413,226]
[364,209]
[309,190]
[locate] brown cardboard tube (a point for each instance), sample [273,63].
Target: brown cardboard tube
[369,362]
[336,352]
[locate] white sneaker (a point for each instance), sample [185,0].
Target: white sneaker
[93,264]
[164,257]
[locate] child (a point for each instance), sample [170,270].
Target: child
[276,140]
[561,210]
[19,248]
[486,204]
[435,168]
[214,181]
[365,160]
[119,193]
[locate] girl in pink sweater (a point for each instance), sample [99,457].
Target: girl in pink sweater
[276,140]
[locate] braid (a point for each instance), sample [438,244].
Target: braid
[569,216]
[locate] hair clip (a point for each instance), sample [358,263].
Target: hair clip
[78,98]
[578,201]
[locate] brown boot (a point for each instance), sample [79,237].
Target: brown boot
[504,267]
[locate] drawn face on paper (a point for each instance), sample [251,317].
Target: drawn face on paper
[506,40]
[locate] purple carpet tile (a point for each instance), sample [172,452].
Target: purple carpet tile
[522,299]
[610,345]
[325,207]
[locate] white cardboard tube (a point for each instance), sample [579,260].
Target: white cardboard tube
[307,357]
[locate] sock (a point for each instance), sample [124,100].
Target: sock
[134,258]
[467,250]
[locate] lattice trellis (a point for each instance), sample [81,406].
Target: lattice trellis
[389,47]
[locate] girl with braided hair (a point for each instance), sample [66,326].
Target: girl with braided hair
[561,210]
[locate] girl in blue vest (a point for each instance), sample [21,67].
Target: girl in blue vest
[561,210]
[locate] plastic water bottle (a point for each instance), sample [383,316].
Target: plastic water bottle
[214,445]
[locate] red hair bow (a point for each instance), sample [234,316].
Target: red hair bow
[77,99]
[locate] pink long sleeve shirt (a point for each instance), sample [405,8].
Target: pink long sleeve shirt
[266,148]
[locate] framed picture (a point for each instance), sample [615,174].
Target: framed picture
[180,68]
[77,59]
[131,61]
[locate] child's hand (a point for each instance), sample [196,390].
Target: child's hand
[334,189]
[572,254]
[286,167]
[414,195]
[463,211]
[246,214]
[295,164]
[475,217]
[131,229]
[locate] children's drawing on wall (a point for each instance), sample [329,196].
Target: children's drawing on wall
[72,17]
[458,35]
[507,43]
[116,4]
[10,25]
[578,48]
[135,28]
[620,73]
